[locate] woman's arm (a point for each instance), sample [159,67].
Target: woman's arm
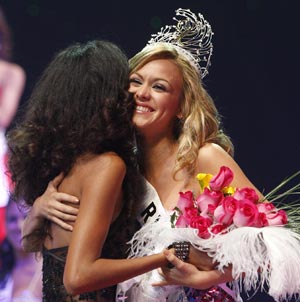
[201,274]
[188,275]
[12,81]
[101,194]
[52,205]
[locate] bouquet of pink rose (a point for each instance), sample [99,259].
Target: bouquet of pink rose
[260,241]
[220,207]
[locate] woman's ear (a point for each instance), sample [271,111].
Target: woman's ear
[179,115]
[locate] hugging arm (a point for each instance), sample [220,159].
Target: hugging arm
[100,204]
[52,205]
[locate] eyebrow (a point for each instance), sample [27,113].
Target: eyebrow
[153,79]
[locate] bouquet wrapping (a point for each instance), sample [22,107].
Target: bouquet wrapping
[257,239]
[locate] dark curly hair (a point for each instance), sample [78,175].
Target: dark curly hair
[79,105]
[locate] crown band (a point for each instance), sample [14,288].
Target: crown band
[191,36]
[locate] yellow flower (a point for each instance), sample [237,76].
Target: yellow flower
[228,190]
[204,180]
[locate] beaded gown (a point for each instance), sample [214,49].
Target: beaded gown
[115,247]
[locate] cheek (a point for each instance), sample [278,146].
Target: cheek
[172,108]
[132,89]
[135,120]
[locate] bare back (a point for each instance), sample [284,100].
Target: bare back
[73,184]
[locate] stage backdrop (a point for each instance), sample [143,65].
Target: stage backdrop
[253,78]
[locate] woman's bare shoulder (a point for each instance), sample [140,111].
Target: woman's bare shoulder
[92,169]
[211,156]
[99,163]
[210,150]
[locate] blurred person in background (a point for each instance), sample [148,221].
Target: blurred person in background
[20,272]
[12,81]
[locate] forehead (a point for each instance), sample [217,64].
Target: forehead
[161,68]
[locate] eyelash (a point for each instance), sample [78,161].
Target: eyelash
[155,86]
[160,87]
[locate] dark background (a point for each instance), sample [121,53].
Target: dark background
[253,78]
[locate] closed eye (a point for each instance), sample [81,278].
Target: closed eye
[135,81]
[159,87]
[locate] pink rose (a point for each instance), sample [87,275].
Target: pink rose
[182,222]
[246,214]
[225,211]
[208,201]
[265,207]
[202,224]
[277,218]
[246,194]
[184,219]
[186,200]
[217,228]
[261,220]
[222,179]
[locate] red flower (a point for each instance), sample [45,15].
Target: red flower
[215,209]
[261,220]
[208,201]
[273,216]
[217,228]
[265,207]
[186,216]
[222,179]
[246,214]
[225,211]
[202,224]
[186,200]
[246,194]
[277,218]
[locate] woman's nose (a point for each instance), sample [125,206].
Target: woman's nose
[143,93]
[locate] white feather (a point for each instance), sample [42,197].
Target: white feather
[259,256]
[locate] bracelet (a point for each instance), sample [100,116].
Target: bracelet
[182,250]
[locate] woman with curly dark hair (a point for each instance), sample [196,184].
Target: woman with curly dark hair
[78,122]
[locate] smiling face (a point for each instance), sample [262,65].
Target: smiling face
[157,88]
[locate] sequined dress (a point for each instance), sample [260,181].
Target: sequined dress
[115,247]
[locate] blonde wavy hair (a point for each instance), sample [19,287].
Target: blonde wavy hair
[200,122]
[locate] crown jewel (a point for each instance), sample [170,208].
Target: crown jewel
[192,36]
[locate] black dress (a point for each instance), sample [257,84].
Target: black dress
[115,247]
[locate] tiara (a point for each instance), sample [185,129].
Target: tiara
[191,36]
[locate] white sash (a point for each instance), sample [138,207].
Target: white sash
[130,290]
[151,207]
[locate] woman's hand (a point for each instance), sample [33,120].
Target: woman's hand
[53,205]
[201,260]
[188,275]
